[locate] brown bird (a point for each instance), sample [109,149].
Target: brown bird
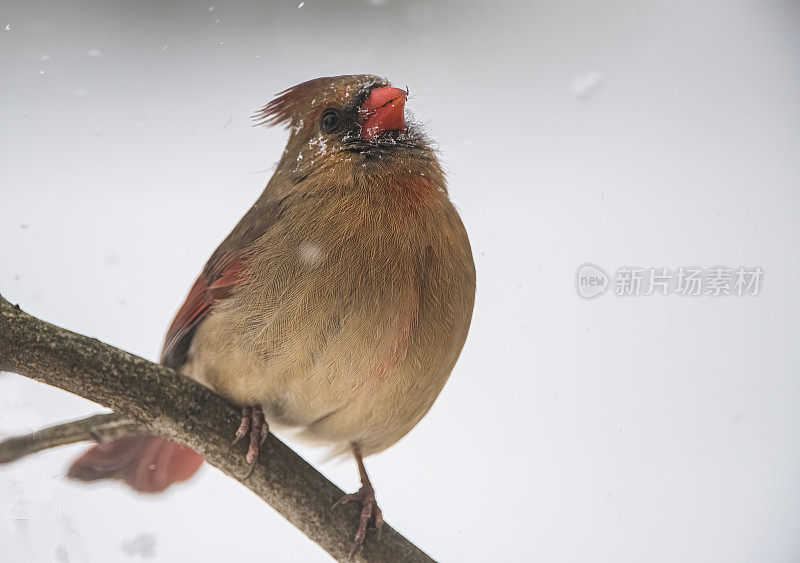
[339,303]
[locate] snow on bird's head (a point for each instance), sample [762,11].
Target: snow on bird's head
[290,106]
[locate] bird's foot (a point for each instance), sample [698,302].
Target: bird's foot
[370,513]
[253,421]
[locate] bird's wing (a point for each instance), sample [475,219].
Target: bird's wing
[205,292]
[222,274]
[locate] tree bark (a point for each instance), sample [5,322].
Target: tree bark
[179,409]
[97,428]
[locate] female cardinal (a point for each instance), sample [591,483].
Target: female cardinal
[339,303]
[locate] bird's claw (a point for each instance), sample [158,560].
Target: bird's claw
[253,422]
[244,425]
[370,514]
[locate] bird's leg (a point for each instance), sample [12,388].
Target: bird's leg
[370,512]
[253,421]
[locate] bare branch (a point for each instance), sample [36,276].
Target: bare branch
[97,428]
[182,410]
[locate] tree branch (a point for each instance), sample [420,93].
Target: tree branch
[179,409]
[98,428]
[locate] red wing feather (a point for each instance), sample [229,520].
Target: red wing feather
[206,291]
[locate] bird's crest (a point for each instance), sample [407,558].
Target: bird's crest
[285,104]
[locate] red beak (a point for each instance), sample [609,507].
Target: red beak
[383,111]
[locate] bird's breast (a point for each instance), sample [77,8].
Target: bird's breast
[355,313]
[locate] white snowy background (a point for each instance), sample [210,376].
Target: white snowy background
[642,134]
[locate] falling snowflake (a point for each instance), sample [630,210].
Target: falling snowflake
[587,84]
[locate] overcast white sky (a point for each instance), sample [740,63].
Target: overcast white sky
[653,134]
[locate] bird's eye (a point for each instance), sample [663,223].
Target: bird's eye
[330,120]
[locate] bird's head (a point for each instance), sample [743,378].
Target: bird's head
[353,120]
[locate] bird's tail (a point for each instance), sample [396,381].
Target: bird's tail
[149,464]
